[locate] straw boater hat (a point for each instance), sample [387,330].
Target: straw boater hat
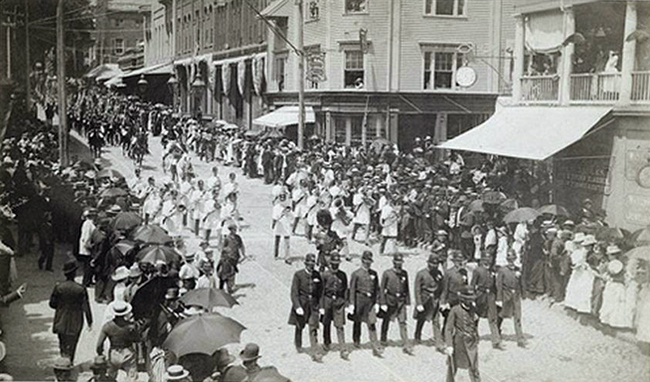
[121,273]
[579,237]
[589,240]
[121,308]
[135,271]
[176,373]
[251,352]
[613,249]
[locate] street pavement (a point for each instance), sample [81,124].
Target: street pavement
[559,347]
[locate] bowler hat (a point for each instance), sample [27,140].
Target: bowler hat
[366,256]
[251,352]
[176,372]
[69,267]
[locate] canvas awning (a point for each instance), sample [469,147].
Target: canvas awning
[105,71]
[529,132]
[164,68]
[285,116]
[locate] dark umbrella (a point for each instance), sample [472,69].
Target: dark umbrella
[109,173]
[147,298]
[113,192]
[208,298]
[554,209]
[493,197]
[126,221]
[612,233]
[523,214]
[158,252]
[269,374]
[203,333]
[152,234]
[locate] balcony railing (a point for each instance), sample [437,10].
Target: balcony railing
[640,87]
[540,89]
[601,87]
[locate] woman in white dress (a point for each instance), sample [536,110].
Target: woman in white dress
[212,220]
[281,225]
[198,200]
[613,311]
[578,291]
[312,209]
[361,204]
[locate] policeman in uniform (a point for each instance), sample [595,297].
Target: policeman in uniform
[509,292]
[306,292]
[428,287]
[461,335]
[483,282]
[364,293]
[333,304]
[394,298]
[454,281]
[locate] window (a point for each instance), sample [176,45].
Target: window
[445,7]
[439,69]
[354,73]
[356,135]
[356,6]
[314,10]
[118,46]
[280,71]
[118,22]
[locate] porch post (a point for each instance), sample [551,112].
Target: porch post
[629,54]
[519,52]
[567,54]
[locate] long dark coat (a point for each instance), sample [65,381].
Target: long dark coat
[70,300]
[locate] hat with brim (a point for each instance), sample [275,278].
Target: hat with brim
[467,294]
[433,259]
[121,273]
[613,249]
[335,258]
[398,258]
[62,363]
[367,257]
[176,372]
[310,258]
[579,237]
[589,240]
[135,271]
[251,352]
[69,267]
[121,308]
[223,358]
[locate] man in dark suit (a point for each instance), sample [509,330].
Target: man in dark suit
[333,303]
[428,287]
[483,282]
[364,293]
[394,298]
[70,300]
[306,292]
[454,281]
[509,292]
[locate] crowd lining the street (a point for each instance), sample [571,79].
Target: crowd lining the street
[128,233]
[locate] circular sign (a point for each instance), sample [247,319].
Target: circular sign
[465,76]
[643,177]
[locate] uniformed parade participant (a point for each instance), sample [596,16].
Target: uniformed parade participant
[483,282]
[394,298]
[455,279]
[508,286]
[306,292]
[427,290]
[364,293]
[333,304]
[461,336]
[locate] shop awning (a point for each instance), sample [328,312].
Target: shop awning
[285,116]
[164,68]
[529,132]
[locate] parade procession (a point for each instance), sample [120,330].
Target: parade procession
[206,190]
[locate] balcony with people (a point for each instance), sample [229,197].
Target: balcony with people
[594,53]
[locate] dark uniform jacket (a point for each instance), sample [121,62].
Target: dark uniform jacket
[395,288]
[306,292]
[70,300]
[483,283]
[509,290]
[335,289]
[453,282]
[461,332]
[428,285]
[364,293]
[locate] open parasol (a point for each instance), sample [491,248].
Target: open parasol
[152,234]
[113,192]
[109,173]
[553,209]
[203,333]
[641,237]
[154,253]
[476,206]
[523,214]
[126,221]
[493,197]
[508,205]
[208,298]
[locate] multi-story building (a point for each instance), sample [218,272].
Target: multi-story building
[220,49]
[395,69]
[581,99]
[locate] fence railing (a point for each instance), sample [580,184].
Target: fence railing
[540,89]
[591,87]
[640,87]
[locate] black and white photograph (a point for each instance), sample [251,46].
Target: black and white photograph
[325,190]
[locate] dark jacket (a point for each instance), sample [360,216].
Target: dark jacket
[71,303]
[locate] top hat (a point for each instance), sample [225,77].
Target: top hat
[398,258]
[176,372]
[223,358]
[121,308]
[69,267]
[366,256]
[251,352]
[310,258]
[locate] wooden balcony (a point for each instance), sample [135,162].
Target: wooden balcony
[595,88]
[640,87]
[542,89]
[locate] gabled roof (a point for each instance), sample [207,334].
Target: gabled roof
[273,9]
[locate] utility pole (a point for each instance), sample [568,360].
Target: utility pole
[60,81]
[28,80]
[301,76]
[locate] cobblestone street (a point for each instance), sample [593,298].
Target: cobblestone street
[559,347]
